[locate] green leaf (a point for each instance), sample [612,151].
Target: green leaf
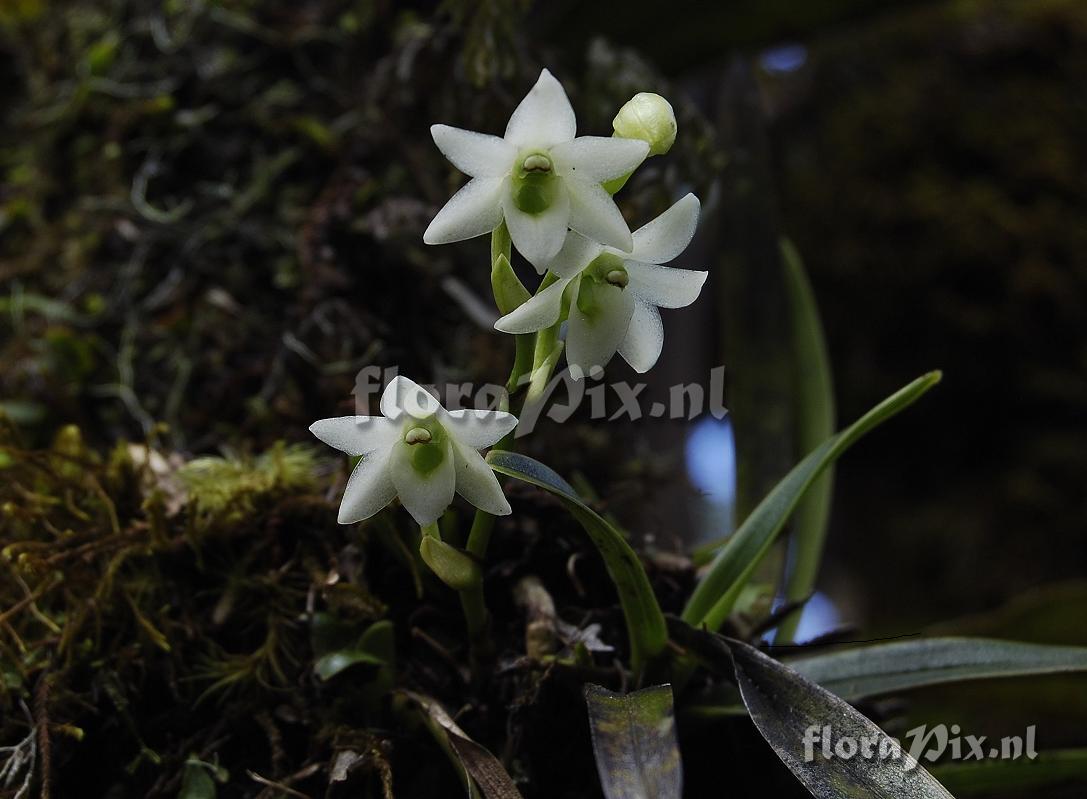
[814,412]
[328,666]
[1049,770]
[645,622]
[793,713]
[905,665]
[634,741]
[715,595]
[339,646]
[199,778]
[901,665]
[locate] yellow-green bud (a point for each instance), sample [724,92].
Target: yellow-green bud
[648,117]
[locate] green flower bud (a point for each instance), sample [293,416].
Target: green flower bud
[648,117]
[453,567]
[509,292]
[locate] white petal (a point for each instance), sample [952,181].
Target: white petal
[538,237]
[369,489]
[406,396]
[663,285]
[356,435]
[473,211]
[577,252]
[478,429]
[668,235]
[536,313]
[544,118]
[593,213]
[592,341]
[477,483]
[598,158]
[424,497]
[475,154]
[645,337]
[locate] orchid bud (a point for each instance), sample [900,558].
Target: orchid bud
[650,118]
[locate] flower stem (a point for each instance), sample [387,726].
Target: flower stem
[471,599]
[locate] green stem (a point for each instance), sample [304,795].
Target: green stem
[535,356]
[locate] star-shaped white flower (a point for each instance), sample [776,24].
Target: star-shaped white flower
[418,451]
[538,177]
[613,297]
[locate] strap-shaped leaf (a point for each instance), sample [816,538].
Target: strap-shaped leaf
[1048,770]
[799,718]
[888,668]
[634,740]
[645,622]
[901,665]
[814,404]
[715,595]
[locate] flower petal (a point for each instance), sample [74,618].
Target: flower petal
[669,234]
[473,211]
[577,252]
[356,435]
[598,158]
[544,118]
[406,396]
[369,488]
[645,338]
[424,496]
[477,483]
[478,429]
[538,237]
[592,340]
[663,285]
[475,154]
[536,313]
[593,213]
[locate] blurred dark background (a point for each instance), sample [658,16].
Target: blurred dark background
[211,218]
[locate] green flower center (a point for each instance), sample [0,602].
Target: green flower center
[534,183]
[608,268]
[604,274]
[426,441]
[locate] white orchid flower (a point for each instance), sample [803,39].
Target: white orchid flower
[538,177]
[418,451]
[613,297]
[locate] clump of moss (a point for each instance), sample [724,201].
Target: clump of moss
[227,490]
